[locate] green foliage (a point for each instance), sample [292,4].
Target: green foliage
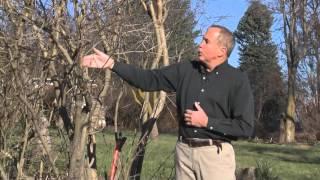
[258,57]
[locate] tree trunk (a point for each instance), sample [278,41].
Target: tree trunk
[318,85]
[295,52]
[289,120]
[158,100]
[282,135]
[76,170]
[289,123]
[158,107]
[158,21]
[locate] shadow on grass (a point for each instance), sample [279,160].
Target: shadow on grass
[282,152]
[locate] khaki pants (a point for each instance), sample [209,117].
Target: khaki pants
[205,162]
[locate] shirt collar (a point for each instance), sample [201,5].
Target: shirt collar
[219,68]
[222,66]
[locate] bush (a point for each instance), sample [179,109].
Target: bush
[264,171]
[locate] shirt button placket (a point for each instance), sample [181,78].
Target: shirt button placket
[204,78]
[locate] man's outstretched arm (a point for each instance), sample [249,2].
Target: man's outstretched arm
[165,78]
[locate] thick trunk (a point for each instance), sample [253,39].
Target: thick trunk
[291,106]
[76,170]
[295,52]
[290,122]
[282,135]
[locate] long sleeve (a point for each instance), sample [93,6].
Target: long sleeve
[165,78]
[241,122]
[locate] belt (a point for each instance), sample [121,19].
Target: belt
[195,142]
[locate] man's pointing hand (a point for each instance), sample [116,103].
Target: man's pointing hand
[97,60]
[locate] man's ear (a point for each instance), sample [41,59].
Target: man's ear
[223,51]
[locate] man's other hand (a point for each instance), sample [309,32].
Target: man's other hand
[97,60]
[196,118]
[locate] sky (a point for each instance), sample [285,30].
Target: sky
[223,12]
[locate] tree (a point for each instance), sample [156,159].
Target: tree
[258,57]
[181,29]
[295,32]
[308,72]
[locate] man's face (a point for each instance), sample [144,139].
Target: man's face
[209,49]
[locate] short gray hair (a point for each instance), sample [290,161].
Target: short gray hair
[225,38]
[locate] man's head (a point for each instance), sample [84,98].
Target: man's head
[217,45]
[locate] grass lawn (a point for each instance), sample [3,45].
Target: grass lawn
[292,162]
[300,162]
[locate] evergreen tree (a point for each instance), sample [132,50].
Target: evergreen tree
[181,27]
[258,57]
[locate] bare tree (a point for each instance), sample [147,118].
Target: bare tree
[50,38]
[295,31]
[308,74]
[42,85]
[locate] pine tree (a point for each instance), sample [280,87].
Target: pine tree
[258,57]
[181,25]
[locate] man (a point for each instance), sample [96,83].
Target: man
[214,104]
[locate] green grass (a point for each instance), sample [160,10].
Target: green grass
[298,162]
[158,161]
[292,162]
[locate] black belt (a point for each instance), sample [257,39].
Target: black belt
[195,142]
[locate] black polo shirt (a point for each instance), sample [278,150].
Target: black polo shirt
[224,94]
